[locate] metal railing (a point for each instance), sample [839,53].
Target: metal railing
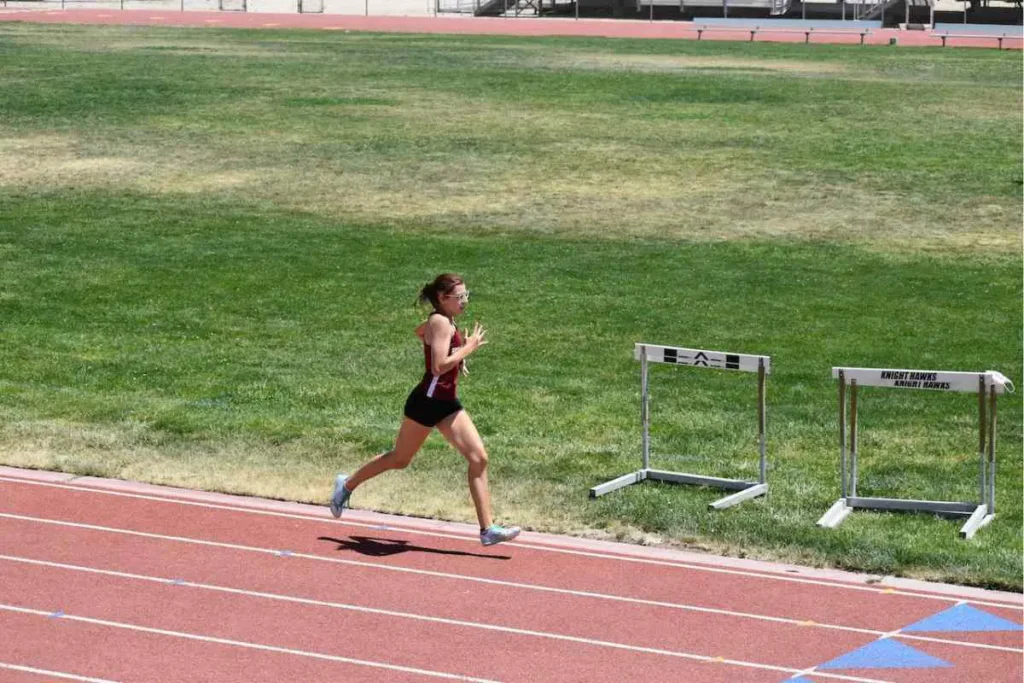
[498,7]
[457,6]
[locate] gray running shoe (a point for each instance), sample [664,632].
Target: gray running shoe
[498,534]
[339,498]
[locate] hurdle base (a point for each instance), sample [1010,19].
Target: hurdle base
[619,483]
[753,490]
[835,515]
[745,490]
[977,515]
[938,507]
[978,519]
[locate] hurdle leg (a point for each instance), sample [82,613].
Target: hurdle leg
[839,510]
[992,452]
[835,515]
[979,518]
[853,438]
[983,483]
[761,425]
[638,476]
[842,434]
[619,483]
[739,497]
[985,512]
[645,415]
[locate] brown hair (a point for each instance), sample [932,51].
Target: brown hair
[442,284]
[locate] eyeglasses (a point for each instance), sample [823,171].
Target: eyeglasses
[463,297]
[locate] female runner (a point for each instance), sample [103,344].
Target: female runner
[434,403]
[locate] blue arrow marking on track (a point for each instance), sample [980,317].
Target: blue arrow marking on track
[964,618]
[885,654]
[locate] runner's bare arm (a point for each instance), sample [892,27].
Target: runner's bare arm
[439,337]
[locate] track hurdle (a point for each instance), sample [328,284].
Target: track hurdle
[988,383]
[697,358]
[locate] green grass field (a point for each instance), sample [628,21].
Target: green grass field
[210,243]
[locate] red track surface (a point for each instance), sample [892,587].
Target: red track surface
[493,26]
[103,580]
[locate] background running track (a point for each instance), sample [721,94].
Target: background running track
[492,26]
[103,580]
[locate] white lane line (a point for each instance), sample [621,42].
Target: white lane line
[517,544]
[498,582]
[245,644]
[429,619]
[964,643]
[52,674]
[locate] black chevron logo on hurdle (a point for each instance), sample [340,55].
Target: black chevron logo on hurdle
[701,359]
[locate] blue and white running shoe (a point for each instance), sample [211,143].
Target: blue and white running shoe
[339,498]
[498,534]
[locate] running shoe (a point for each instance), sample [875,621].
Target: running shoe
[498,534]
[339,498]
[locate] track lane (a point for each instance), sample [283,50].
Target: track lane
[377,637]
[876,609]
[350,576]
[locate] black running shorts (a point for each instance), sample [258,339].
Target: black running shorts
[429,411]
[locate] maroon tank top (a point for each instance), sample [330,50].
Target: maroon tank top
[441,387]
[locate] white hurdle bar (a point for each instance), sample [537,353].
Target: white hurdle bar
[697,358]
[988,383]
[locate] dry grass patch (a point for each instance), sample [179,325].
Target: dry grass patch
[55,161]
[299,470]
[673,63]
[970,111]
[640,197]
[116,39]
[177,180]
